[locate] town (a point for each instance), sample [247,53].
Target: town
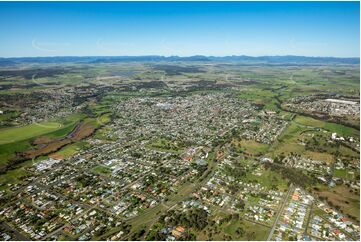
[181,168]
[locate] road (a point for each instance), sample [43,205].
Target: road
[280,212]
[308,219]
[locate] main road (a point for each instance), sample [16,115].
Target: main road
[290,189]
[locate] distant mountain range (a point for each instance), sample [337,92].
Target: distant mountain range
[288,59]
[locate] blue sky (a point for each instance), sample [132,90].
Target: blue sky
[179,28]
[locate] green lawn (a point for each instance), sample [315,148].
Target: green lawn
[15,176]
[18,139]
[288,141]
[69,124]
[8,150]
[269,179]
[71,149]
[52,129]
[14,134]
[253,147]
[102,170]
[340,173]
[236,229]
[251,231]
[103,119]
[164,145]
[332,127]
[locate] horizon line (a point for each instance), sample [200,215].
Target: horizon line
[168,56]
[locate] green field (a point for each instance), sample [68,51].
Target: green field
[235,229]
[71,149]
[164,145]
[290,139]
[14,134]
[253,147]
[17,139]
[102,170]
[55,128]
[269,179]
[332,127]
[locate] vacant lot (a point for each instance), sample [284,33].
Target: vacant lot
[347,200]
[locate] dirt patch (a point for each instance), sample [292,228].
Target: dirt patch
[82,131]
[320,156]
[42,140]
[51,147]
[56,156]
